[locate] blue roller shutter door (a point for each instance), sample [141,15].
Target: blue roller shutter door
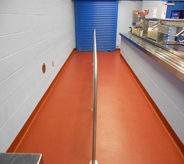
[99,15]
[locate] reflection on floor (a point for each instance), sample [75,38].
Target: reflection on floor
[128,129]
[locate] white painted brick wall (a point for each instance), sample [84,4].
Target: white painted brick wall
[166,89]
[32,32]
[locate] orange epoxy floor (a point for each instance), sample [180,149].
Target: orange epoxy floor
[128,129]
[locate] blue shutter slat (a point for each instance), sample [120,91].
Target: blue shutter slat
[99,15]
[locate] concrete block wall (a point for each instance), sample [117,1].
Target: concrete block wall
[32,32]
[166,90]
[125,12]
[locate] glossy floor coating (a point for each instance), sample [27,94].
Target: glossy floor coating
[128,129]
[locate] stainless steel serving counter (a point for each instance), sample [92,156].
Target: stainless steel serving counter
[169,60]
[20,158]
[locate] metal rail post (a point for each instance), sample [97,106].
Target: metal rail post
[95,79]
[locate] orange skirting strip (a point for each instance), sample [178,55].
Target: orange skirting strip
[117,49]
[157,110]
[20,135]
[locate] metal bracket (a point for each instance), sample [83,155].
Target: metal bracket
[94,163]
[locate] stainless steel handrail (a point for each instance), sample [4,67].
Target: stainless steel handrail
[95,80]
